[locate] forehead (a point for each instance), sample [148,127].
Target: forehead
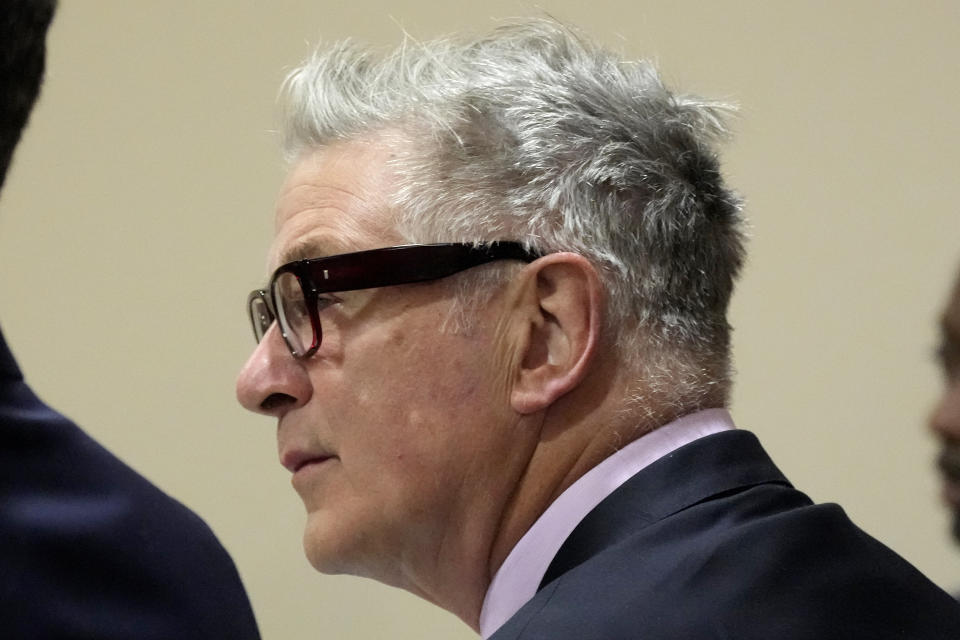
[335,200]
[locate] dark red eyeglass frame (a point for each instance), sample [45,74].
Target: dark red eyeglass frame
[384,267]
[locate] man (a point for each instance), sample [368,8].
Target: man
[495,343]
[945,419]
[89,548]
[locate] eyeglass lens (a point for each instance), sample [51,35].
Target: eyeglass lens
[292,312]
[260,315]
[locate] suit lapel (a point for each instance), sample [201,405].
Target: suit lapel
[710,466]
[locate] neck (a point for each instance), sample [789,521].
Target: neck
[565,441]
[576,434]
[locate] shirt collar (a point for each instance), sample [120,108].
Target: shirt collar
[518,578]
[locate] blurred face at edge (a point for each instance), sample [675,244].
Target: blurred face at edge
[945,419]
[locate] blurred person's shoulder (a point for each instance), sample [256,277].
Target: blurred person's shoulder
[88,544]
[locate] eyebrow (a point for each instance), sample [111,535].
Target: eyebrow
[307,247]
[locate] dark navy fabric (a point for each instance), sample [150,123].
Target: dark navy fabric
[90,549]
[712,542]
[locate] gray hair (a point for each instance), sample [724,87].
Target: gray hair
[534,134]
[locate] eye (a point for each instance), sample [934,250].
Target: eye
[324,301]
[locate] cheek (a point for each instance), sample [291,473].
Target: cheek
[423,429]
[421,411]
[425,370]
[410,404]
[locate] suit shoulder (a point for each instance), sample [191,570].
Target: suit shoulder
[759,563]
[86,542]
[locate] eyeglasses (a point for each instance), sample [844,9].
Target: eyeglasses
[293,295]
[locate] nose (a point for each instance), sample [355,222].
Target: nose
[273,382]
[945,419]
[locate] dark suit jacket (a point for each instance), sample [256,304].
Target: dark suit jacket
[712,542]
[90,549]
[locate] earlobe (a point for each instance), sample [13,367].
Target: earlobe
[562,309]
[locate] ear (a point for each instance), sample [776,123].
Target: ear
[560,304]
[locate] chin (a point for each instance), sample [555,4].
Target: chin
[325,562]
[319,547]
[333,551]
[317,561]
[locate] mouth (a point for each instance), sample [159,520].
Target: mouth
[310,462]
[309,474]
[294,461]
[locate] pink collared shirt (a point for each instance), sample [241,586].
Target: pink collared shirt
[520,574]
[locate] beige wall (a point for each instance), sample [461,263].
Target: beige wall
[136,218]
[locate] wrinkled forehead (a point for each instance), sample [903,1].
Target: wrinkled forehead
[335,200]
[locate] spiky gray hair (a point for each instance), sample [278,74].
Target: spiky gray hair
[532,133]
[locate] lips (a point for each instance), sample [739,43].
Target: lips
[296,460]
